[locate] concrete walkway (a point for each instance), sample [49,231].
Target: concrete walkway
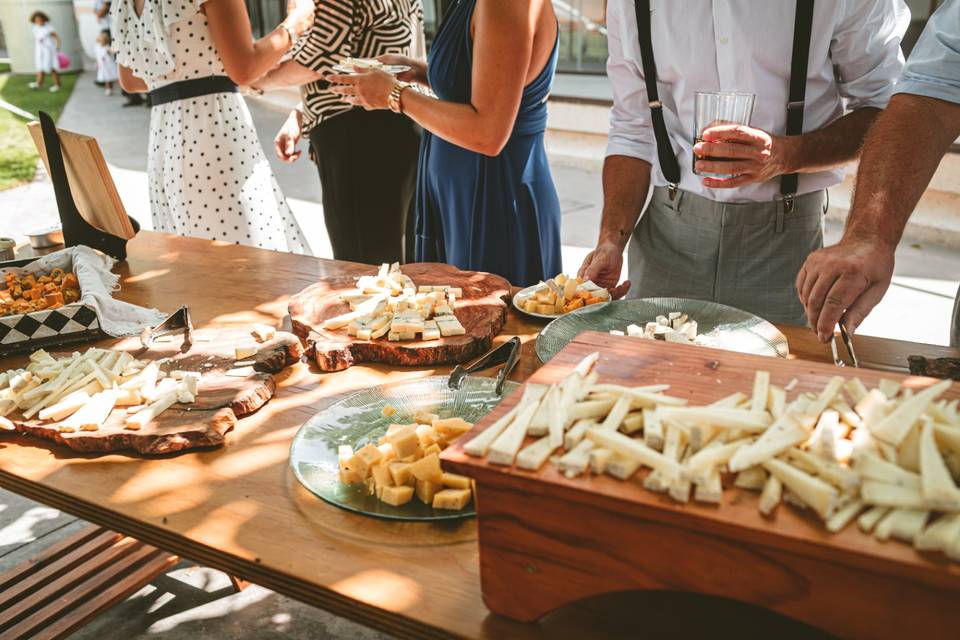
[191,602]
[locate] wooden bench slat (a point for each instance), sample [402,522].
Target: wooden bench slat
[54,568]
[50,554]
[159,563]
[75,597]
[41,597]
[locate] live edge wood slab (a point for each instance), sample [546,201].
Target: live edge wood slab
[226,393]
[547,540]
[238,509]
[482,311]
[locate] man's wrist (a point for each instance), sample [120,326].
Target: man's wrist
[860,234]
[614,238]
[790,153]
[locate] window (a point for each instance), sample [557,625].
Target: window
[583,35]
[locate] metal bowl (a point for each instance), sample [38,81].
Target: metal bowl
[720,326]
[46,238]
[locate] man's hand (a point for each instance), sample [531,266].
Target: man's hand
[844,281]
[746,154]
[602,266]
[288,137]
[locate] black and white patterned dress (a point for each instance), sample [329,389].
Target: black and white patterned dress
[208,174]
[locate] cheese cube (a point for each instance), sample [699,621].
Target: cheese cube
[381,477]
[451,428]
[386,449]
[454,481]
[434,448]
[424,417]
[402,473]
[397,496]
[442,310]
[426,490]
[388,410]
[405,441]
[453,499]
[263,332]
[431,331]
[369,455]
[427,435]
[244,351]
[428,468]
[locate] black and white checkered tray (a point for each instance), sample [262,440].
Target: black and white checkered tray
[50,327]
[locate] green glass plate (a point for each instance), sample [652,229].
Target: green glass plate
[358,419]
[719,326]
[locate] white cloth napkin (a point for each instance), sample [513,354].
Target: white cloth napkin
[97,285]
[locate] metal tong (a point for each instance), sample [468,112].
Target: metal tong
[508,352]
[177,322]
[847,342]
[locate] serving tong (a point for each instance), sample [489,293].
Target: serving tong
[508,353]
[177,322]
[847,342]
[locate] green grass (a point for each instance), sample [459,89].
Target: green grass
[18,156]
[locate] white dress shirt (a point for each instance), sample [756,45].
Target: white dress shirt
[746,45]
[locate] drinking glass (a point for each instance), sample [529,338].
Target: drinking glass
[714,108]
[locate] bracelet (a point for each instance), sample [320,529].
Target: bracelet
[290,34]
[394,100]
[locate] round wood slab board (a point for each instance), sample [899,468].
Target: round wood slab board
[482,311]
[221,401]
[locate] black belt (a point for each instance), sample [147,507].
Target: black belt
[192,89]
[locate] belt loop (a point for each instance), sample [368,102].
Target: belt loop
[785,206]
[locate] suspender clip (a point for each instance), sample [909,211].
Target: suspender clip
[673,189]
[784,209]
[795,105]
[655,104]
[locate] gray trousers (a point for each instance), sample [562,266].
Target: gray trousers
[742,255]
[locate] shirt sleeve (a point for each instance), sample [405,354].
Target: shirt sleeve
[631,132]
[330,39]
[934,66]
[866,51]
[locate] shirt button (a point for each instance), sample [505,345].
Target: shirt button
[724,40]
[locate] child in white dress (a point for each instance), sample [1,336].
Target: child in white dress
[47,43]
[106,63]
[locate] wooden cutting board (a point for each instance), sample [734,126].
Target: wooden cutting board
[482,311]
[547,540]
[223,398]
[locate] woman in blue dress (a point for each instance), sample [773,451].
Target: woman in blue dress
[486,200]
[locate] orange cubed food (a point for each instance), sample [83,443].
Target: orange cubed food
[574,304]
[595,301]
[53,299]
[70,281]
[428,469]
[397,496]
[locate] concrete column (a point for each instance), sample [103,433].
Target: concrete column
[15,17]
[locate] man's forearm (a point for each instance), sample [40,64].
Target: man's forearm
[626,182]
[915,131]
[832,146]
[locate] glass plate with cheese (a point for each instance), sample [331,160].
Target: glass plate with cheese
[361,421]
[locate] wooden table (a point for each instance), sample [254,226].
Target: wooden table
[239,509]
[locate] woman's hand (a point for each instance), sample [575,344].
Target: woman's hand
[288,137]
[418,68]
[299,15]
[369,90]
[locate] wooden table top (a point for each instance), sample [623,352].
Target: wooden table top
[239,509]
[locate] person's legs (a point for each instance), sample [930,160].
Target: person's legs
[367,191]
[38,83]
[56,78]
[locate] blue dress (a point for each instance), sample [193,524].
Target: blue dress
[498,214]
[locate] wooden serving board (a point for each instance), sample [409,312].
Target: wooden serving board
[482,311]
[546,540]
[222,399]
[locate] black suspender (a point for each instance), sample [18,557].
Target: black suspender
[668,159]
[802,31]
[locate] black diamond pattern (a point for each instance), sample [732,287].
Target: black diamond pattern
[27,325]
[4,330]
[56,321]
[85,316]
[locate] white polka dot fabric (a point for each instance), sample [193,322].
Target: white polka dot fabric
[208,174]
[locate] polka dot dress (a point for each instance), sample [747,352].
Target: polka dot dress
[208,174]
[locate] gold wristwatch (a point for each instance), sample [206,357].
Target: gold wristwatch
[394,99]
